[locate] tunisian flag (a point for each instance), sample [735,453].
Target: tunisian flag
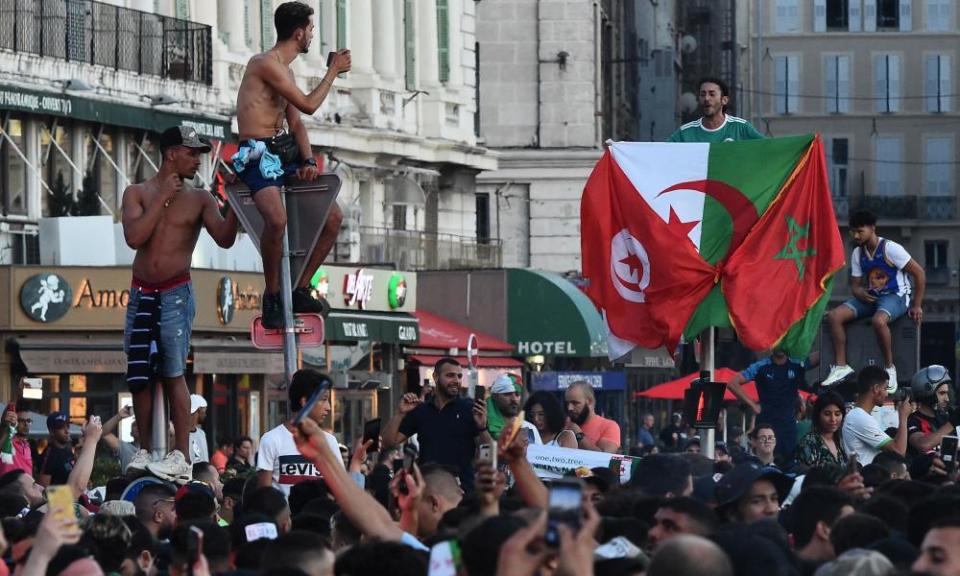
[784,268]
[643,275]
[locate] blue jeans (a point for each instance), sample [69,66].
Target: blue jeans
[176,326]
[894,306]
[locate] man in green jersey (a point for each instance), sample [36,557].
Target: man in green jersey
[715,125]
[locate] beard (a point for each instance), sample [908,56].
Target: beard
[581,418]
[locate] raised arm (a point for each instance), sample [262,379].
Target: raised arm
[280,79]
[140,218]
[223,229]
[80,475]
[391,434]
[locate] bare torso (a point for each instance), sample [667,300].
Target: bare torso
[261,110]
[169,250]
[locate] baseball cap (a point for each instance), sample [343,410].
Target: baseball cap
[195,487]
[737,482]
[57,420]
[182,136]
[197,402]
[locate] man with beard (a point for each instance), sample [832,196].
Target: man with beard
[593,432]
[884,296]
[162,218]
[715,125]
[22,448]
[934,419]
[447,426]
[504,404]
[155,505]
[269,95]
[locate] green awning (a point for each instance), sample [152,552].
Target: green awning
[390,328]
[111,113]
[548,315]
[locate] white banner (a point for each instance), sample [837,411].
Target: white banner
[552,462]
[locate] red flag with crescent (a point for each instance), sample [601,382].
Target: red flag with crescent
[643,276]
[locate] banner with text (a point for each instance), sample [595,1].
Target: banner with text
[552,462]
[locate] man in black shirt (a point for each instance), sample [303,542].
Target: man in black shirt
[448,427]
[57,460]
[930,388]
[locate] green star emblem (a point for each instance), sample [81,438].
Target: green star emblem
[790,250]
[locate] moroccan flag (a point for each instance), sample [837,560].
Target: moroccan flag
[711,197]
[786,264]
[644,281]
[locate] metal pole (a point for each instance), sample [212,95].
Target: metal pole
[708,441]
[159,437]
[286,292]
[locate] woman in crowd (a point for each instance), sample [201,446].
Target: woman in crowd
[543,410]
[822,446]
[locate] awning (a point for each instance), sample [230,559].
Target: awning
[674,389]
[233,356]
[548,315]
[110,112]
[81,355]
[482,362]
[438,332]
[389,328]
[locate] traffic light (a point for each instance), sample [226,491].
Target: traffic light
[702,401]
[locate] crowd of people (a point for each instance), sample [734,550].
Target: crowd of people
[452,491]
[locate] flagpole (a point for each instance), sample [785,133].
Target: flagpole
[708,442]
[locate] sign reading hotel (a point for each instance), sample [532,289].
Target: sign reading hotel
[549,348]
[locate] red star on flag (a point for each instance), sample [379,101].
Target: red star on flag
[678,227]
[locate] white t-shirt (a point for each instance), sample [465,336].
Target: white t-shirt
[278,453]
[198,447]
[862,434]
[895,254]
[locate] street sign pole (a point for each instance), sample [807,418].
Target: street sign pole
[286,292]
[473,350]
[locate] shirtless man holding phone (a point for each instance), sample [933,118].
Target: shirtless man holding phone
[268,97]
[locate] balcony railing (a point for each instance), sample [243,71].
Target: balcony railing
[938,276]
[411,250]
[900,207]
[106,35]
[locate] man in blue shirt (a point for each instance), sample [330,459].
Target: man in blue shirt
[779,379]
[645,432]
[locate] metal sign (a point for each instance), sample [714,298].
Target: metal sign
[473,351]
[307,327]
[307,203]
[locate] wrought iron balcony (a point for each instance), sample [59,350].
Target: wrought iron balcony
[906,207]
[412,250]
[106,35]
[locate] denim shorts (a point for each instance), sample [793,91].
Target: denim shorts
[895,306]
[255,181]
[176,326]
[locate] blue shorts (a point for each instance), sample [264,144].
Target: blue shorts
[255,181]
[894,306]
[176,326]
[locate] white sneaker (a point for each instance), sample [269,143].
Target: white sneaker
[139,462]
[892,383]
[173,468]
[837,374]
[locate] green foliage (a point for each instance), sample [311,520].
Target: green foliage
[61,201]
[88,201]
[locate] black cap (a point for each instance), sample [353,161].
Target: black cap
[737,482]
[183,136]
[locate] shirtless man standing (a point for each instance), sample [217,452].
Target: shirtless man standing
[162,218]
[268,96]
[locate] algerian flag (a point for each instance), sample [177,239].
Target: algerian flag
[713,196]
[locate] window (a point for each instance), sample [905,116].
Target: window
[886,82]
[399,216]
[938,157]
[888,157]
[410,44]
[483,218]
[787,84]
[836,151]
[836,83]
[267,30]
[939,15]
[476,89]
[13,170]
[443,39]
[787,16]
[341,24]
[837,14]
[935,252]
[938,85]
[854,14]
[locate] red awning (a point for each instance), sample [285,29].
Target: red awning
[438,332]
[674,389]
[482,362]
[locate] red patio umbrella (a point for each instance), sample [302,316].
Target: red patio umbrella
[673,390]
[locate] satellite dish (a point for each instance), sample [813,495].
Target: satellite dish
[688,44]
[688,102]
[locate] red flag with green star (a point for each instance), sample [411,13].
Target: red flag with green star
[784,268]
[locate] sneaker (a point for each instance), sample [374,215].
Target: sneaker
[305,303]
[892,383]
[173,468]
[271,310]
[139,462]
[837,374]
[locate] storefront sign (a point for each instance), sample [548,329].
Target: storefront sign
[407,334]
[553,462]
[233,362]
[225,300]
[357,330]
[356,327]
[90,298]
[525,348]
[45,297]
[396,291]
[562,380]
[357,289]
